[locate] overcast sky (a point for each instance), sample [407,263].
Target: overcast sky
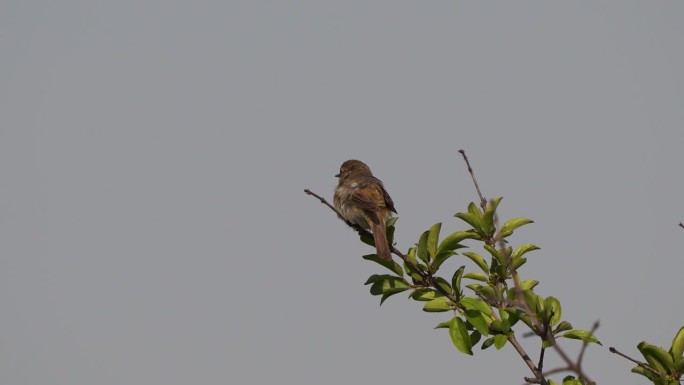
[153,156]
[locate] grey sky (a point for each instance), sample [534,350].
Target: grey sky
[153,228]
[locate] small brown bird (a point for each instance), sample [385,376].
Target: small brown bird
[361,199]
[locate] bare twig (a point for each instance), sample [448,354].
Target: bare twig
[585,344]
[639,363]
[320,198]
[574,367]
[540,365]
[356,227]
[538,375]
[483,201]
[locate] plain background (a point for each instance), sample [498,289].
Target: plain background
[153,156]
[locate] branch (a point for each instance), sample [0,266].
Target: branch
[574,367]
[539,376]
[585,343]
[483,201]
[639,363]
[356,227]
[425,277]
[540,365]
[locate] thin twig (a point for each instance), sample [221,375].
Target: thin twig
[320,198]
[483,201]
[639,363]
[356,227]
[570,366]
[585,344]
[539,376]
[540,365]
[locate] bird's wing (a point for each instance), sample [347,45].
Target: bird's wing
[369,197]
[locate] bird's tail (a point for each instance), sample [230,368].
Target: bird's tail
[381,245]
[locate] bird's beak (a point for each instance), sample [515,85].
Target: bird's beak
[337,175]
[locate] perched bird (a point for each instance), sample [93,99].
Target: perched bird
[361,199]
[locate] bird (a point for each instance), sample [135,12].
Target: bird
[361,199]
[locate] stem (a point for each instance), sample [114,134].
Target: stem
[483,201]
[639,363]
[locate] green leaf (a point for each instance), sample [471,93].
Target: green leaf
[437,305]
[570,380]
[487,343]
[643,371]
[474,209]
[506,319]
[518,262]
[390,264]
[443,284]
[488,217]
[415,277]
[479,261]
[411,255]
[524,317]
[500,340]
[563,326]
[502,325]
[475,337]
[452,241]
[425,294]
[477,319]
[390,234]
[440,258]
[373,278]
[459,336]
[474,220]
[496,327]
[443,325]
[456,279]
[512,224]
[522,249]
[529,284]
[476,276]
[534,302]
[677,348]
[388,284]
[484,291]
[679,365]
[367,238]
[433,239]
[423,247]
[583,335]
[495,254]
[552,307]
[385,296]
[511,314]
[472,303]
[656,357]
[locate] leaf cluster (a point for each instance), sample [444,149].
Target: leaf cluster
[665,367]
[486,297]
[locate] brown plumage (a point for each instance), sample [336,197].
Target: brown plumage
[362,199]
